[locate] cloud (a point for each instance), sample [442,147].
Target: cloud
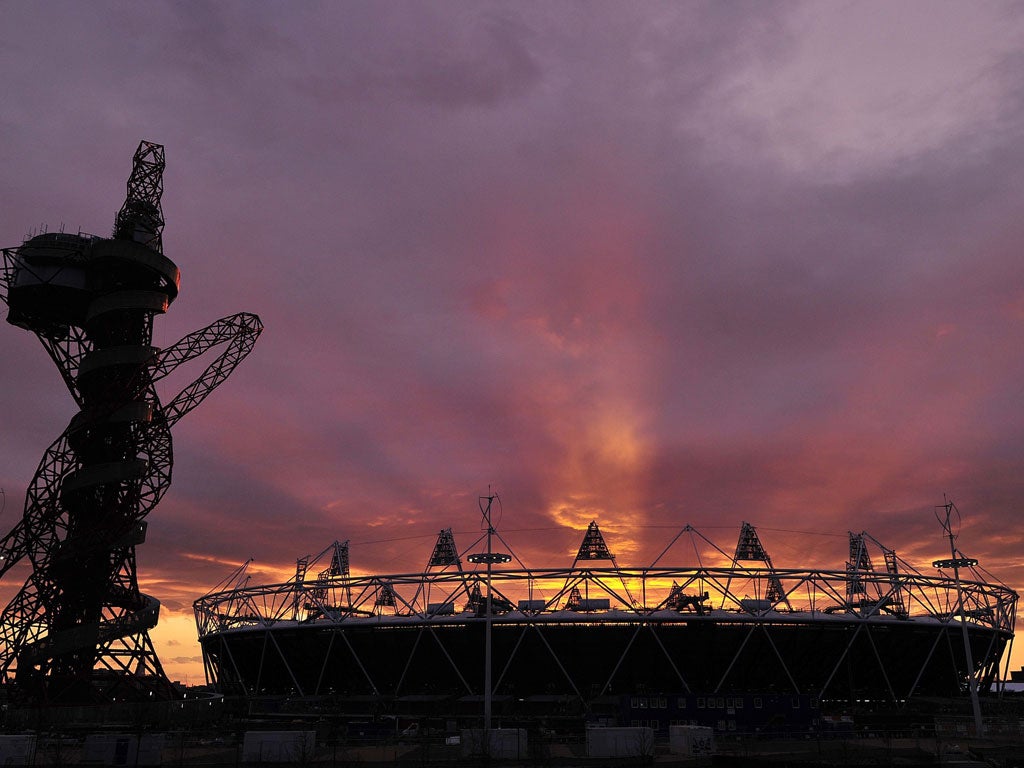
[659,265]
[873,84]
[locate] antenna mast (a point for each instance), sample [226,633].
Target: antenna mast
[490,557]
[957,561]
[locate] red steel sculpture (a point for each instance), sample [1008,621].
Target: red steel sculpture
[78,630]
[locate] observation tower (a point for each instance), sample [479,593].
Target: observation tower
[78,630]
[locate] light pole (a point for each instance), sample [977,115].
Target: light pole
[489,558]
[956,563]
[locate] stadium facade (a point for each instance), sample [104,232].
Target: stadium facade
[874,629]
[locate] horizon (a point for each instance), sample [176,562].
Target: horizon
[646,265]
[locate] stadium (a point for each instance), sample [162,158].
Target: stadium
[596,637]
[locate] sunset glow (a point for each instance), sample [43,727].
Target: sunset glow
[647,264]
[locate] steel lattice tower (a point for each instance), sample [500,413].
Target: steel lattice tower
[78,630]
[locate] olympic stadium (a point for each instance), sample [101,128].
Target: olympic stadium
[473,624]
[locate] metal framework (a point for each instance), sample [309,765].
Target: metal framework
[750,549]
[78,630]
[692,629]
[593,546]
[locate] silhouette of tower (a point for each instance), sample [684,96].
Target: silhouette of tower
[78,630]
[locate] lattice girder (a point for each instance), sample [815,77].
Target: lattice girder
[80,617]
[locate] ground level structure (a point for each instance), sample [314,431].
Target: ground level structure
[562,639]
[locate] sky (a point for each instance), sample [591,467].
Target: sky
[650,264]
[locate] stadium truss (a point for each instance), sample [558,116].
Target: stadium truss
[78,630]
[596,629]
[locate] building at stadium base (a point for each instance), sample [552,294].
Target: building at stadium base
[655,644]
